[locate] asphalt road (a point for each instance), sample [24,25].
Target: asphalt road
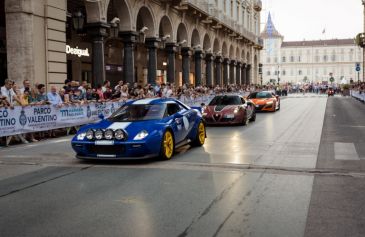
[296,172]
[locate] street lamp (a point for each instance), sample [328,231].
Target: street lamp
[78,21]
[114,27]
[278,74]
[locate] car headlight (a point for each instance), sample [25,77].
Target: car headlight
[269,103]
[119,134]
[141,135]
[98,134]
[236,110]
[108,134]
[90,134]
[81,136]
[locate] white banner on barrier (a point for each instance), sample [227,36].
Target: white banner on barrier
[46,117]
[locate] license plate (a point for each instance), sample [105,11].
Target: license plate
[229,116]
[104,143]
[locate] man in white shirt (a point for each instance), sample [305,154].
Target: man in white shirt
[9,93]
[53,97]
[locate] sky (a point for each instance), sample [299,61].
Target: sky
[307,19]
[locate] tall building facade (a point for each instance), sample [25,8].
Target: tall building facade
[308,61]
[180,41]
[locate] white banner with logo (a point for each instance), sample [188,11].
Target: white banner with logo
[46,117]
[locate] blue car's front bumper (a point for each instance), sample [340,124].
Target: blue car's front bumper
[115,150]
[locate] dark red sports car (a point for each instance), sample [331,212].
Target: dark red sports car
[229,109]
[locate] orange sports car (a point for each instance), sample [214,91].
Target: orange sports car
[265,101]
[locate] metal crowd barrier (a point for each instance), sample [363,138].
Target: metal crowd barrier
[357,95]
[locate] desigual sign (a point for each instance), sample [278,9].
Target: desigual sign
[77,51]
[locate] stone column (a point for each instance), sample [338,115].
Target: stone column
[232,65]
[225,71]
[218,70]
[185,51]
[97,32]
[208,69]
[171,50]
[243,74]
[248,74]
[152,44]
[129,39]
[32,54]
[198,55]
[238,73]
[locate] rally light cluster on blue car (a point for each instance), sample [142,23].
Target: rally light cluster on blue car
[107,134]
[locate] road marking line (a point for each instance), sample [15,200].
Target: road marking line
[345,151]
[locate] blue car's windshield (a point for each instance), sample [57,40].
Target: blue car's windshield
[138,112]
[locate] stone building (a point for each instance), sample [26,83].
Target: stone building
[179,41]
[307,61]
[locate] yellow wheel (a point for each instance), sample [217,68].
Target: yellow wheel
[168,146]
[200,136]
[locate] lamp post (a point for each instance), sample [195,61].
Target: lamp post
[278,74]
[114,30]
[78,21]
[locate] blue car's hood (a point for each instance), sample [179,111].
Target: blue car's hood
[132,128]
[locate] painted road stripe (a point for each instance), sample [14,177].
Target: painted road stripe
[345,151]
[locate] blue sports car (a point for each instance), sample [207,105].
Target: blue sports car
[141,129]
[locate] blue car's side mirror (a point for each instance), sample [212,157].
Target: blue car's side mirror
[101,116]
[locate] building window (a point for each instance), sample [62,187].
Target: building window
[317,58]
[276,73]
[333,58]
[299,59]
[268,60]
[276,59]
[283,59]
[268,73]
[300,72]
[232,8]
[284,72]
[325,58]
[243,16]
[238,13]
[292,59]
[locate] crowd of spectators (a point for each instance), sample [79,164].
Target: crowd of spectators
[74,92]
